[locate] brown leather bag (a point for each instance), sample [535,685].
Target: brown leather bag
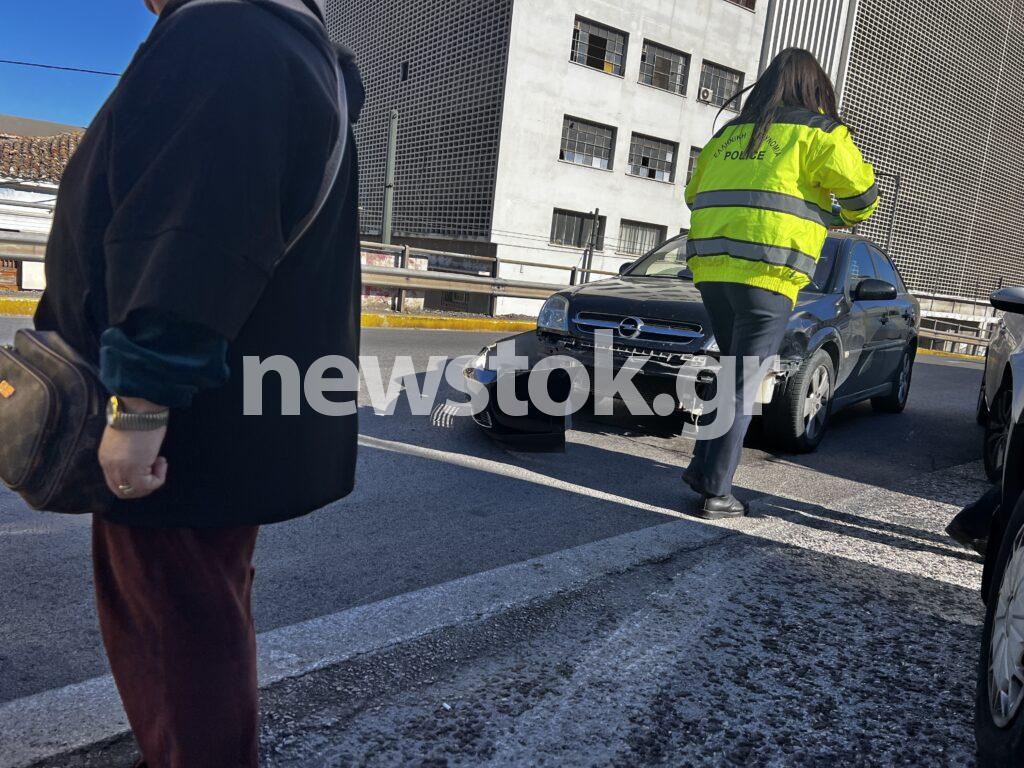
[52,417]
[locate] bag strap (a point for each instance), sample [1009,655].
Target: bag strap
[334,160]
[331,171]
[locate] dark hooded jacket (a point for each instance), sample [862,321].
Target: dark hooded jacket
[179,200]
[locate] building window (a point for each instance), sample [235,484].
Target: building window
[748,4]
[574,229]
[664,68]
[586,143]
[652,158]
[694,154]
[637,238]
[719,84]
[594,45]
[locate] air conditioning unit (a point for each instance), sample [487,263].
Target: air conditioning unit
[705,94]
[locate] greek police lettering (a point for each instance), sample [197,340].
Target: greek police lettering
[739,154]
[739,136]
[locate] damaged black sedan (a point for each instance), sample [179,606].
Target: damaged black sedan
[852,337]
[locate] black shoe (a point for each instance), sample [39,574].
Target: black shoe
[722,508]
[971,526]
[962,535]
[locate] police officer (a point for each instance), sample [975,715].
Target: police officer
[761,197]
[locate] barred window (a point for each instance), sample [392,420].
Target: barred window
[637,238]
[664,68]
[574,229]
[694,154]
[586,143]
[652,158]
[718,84]
[597,46]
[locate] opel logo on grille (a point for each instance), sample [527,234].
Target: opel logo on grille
[631,327]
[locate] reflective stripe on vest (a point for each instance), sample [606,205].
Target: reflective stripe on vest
[743,249]
[766,201]
[861,201]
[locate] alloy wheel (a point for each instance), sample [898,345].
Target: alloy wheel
[998,429]
[904,383]
[816,402]
[1006,652]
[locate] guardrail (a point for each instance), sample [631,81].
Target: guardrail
[958,336]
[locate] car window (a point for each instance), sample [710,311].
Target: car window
[861,266]
[886,271]
[668,260]
[823,272]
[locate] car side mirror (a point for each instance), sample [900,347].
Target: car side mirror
[624,268]
[1009,300]
[873,289]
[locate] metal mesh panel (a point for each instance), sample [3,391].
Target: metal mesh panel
[442,65]
[950,125]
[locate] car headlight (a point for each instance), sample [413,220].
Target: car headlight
[711,345]
[554,315]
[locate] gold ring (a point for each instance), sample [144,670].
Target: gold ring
[125,489]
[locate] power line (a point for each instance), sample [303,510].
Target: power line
[60,69]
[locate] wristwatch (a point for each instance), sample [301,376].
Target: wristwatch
[120,418]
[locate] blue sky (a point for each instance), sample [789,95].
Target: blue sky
[91,34]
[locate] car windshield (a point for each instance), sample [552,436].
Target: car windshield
[668,260]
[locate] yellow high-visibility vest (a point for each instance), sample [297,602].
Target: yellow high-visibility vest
[762,221]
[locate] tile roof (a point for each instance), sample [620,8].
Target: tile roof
[36,158]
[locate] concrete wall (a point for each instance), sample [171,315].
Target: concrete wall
[544,86]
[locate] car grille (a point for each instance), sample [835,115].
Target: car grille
[575,344]
[646,329]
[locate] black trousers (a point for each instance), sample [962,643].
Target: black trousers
[747,322]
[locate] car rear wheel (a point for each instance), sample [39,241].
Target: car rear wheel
[982,405]
[999,703]
[997,430]
[896,400]
[798,419]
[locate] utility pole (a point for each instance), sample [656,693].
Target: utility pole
[389,179]
[588,253]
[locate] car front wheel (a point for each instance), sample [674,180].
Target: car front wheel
[999,703]
[797,420]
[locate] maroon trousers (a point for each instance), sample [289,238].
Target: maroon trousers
[174,609]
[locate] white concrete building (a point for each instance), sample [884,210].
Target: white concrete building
[586,129]
[518,118]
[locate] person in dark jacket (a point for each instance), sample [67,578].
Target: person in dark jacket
[167,267]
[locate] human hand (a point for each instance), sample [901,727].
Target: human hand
[131,460]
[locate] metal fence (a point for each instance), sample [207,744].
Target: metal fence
[949,323]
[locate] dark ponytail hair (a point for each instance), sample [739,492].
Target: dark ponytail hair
[793,79]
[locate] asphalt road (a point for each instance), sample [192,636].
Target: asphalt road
[844,539]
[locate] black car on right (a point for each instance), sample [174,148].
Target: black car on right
[999,706]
